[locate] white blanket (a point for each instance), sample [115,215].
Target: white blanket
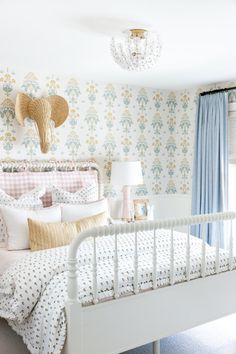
[33,290]
[7,258]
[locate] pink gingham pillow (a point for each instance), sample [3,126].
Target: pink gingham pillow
[18,183]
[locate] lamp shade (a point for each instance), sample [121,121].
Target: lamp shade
[126,173]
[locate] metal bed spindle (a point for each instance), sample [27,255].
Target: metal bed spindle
[172,261]
[136,289]
[95,280]
[154,271]
[116,269]
[203,237]
[218,224]
[188,250]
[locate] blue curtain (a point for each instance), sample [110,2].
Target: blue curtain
[210,169]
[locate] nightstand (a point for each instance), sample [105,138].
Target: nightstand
[115,211]
[120,221]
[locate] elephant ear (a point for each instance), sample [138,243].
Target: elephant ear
[22,107]
[60,109]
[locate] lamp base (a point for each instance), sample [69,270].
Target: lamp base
[127,211]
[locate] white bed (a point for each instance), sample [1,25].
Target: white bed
[47,285]
[128,285]
[150,315]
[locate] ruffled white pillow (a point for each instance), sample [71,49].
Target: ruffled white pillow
[83,195]
[31,199]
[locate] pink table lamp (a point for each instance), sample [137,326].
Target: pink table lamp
[127,174]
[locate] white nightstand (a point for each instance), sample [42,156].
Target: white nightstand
[120,221]
[115,211]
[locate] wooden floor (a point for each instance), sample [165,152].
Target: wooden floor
[218,337]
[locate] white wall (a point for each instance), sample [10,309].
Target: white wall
[171,205]
[164,206]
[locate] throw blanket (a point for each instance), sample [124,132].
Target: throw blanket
[33,290]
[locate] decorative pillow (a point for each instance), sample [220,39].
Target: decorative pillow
[17,183]
[31,199]
[17,226]
[73,212]
[27,200]
[49,235]
[83,195]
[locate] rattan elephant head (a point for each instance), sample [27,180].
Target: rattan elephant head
[47,112]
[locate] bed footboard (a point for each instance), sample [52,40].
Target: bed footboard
[123,323]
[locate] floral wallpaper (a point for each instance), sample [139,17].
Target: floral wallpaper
[107,122]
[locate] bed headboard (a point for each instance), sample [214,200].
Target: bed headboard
[14,166]
[47,165]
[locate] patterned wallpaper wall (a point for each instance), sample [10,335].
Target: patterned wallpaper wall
[107,122]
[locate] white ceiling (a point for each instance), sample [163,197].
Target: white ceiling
[71,37]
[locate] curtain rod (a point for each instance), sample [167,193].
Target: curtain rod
[216,91]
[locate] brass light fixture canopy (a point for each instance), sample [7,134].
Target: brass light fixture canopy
[138,33]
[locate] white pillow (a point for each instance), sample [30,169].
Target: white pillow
[74,212]
[31,199]
[17,224]
[83,195]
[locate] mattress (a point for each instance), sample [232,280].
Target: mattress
[7,258]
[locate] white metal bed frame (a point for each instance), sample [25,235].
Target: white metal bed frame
[48,165]
[124,323]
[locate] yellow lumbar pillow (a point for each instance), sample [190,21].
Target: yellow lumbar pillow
[49,235]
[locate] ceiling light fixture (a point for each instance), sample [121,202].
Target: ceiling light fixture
[136,49]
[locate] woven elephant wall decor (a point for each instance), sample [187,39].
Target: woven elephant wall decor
[47,112]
